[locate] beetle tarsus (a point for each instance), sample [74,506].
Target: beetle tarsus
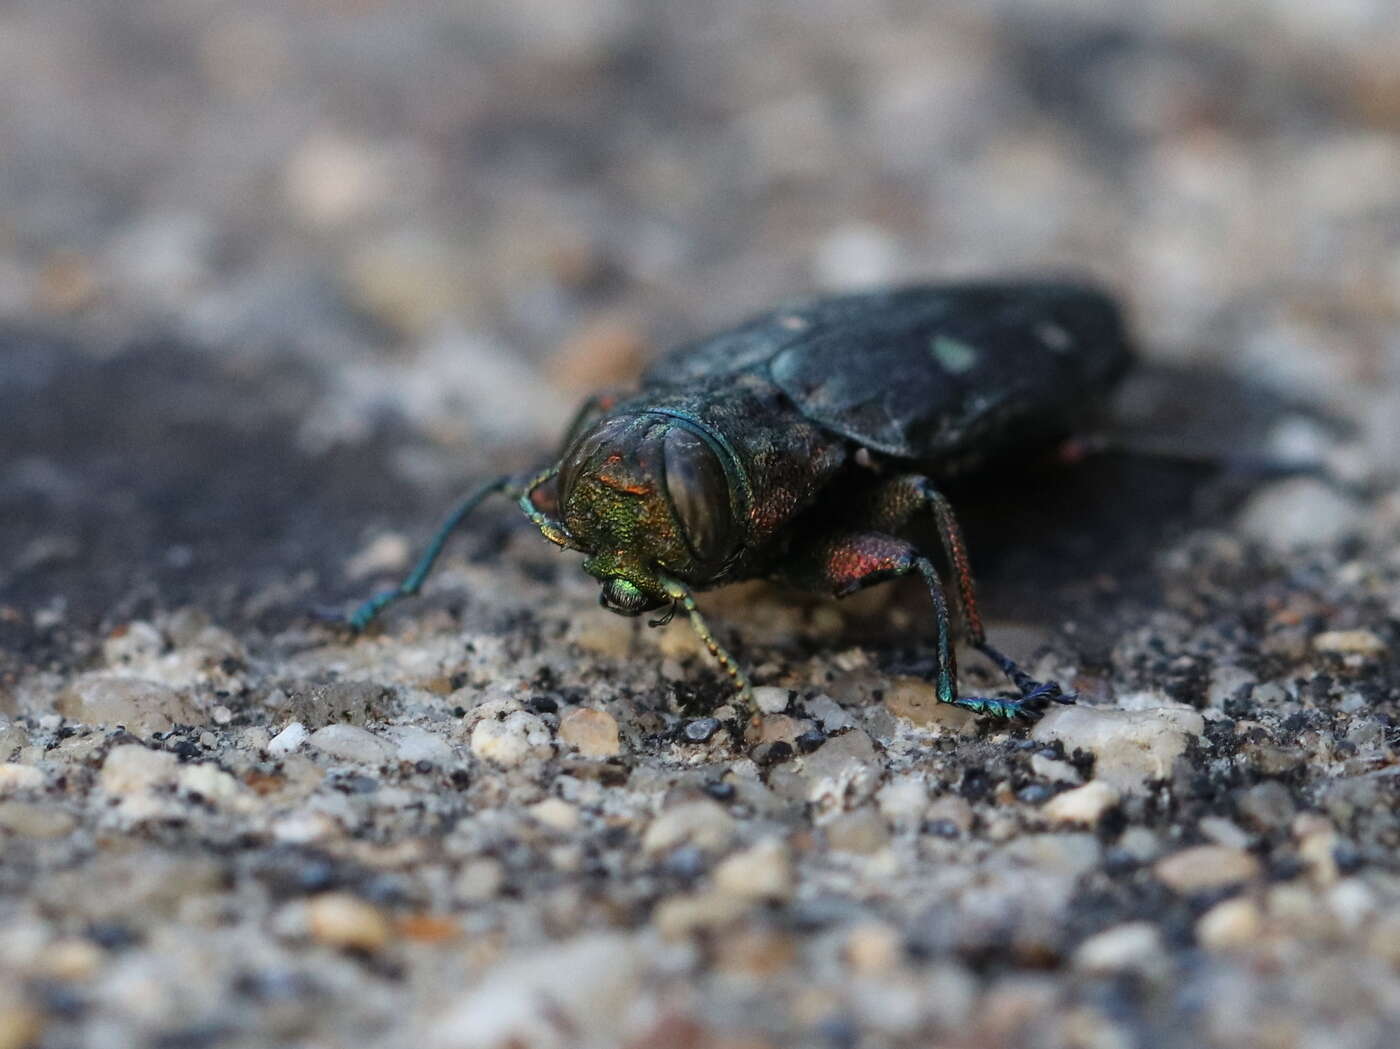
[365,613]
[993,706]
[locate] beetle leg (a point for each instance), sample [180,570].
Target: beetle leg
[413,582]
[850,562]
[894,503]
[551,528]
[679,592]
[892,506]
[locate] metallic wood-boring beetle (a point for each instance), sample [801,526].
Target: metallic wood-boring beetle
[797,447]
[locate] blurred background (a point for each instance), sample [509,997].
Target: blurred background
[549,191]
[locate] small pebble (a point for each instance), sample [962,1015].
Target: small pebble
[1267,805]
[953,810]
[1204,867]
[31,820]
[513,740]
[209,782]
[1055,770]
[351,743]
[762,872]
[1131,747]
[1224,832]
[700,730]
[134,769]
[1350,642]
[873,948]
[701,823]
[772,753]
[593,733]
[15,778]
[917,701]
[556,814]
[142,707]
[771,700]
[345,921]
[861,831]
[1083,805]
[1230,925]
[416,744]
[903,800]
[1135,946]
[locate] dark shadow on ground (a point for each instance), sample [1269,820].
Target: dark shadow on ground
[161,477]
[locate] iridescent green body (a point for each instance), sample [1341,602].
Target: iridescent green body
[798,445]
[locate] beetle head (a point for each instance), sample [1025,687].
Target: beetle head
[647,495]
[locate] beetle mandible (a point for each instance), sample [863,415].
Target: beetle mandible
[797,447]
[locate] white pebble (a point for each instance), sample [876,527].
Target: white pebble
[771,700]
[763,872]
[15,778]
[1133,946]
[418,744]
[1131,747]
[351,743]
[134,769]
[1082,805]
[510,742]
[286,741]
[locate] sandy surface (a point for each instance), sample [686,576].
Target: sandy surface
[277,281]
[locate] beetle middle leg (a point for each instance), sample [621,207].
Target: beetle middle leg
[851,561]
[890,507]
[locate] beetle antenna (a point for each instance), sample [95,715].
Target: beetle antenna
[678,591]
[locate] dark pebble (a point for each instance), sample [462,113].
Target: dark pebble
[719,790]
[1348,857]
[810,740]
[942,828]
[185,750]
[1117,860]
[686,863]
[1035,794]
[112,936]
[839,1032]
[774,753]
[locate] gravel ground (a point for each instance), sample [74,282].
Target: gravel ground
[278,280]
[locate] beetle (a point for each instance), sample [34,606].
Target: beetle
[799,445]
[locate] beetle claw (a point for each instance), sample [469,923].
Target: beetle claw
[1048,692]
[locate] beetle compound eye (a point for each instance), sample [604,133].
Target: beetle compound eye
[699,493]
